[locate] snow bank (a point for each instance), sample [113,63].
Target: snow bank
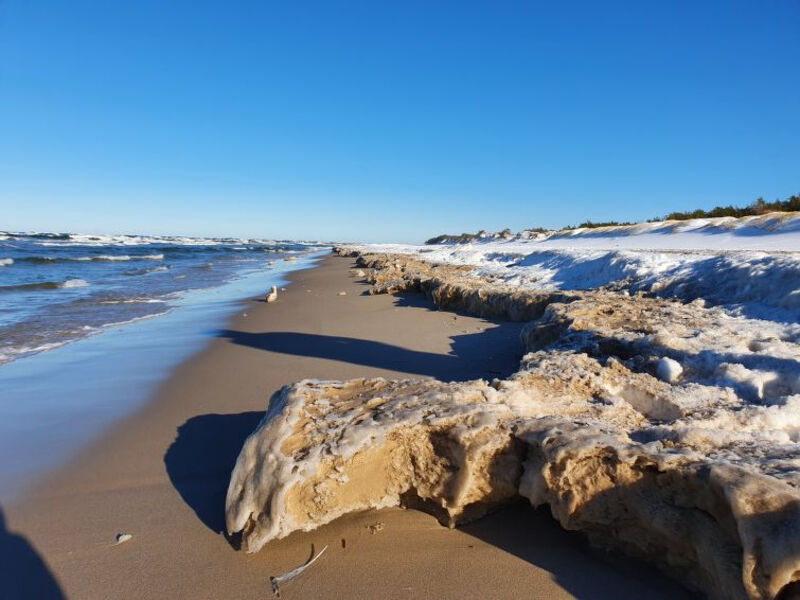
[749,265]
[667,430]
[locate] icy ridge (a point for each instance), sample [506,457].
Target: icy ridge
[751,266]
[666,430]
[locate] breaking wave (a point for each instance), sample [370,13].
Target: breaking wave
[45,285]
[134,301]
[135,272]
[46,260]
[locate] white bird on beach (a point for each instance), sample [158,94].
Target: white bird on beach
[273,295]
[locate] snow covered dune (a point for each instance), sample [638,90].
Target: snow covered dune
[749,265]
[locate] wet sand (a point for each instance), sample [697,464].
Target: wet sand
[161,475]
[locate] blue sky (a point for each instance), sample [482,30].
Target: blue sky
[390,121]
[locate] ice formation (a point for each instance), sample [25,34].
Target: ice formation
[668,369]
[667,430]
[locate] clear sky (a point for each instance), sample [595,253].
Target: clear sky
[390,121]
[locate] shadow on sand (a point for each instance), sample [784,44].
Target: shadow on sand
[200,460]
[537,538]
[23,573]
[494,352]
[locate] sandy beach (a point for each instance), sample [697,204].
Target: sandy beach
[161,475]
[399,300]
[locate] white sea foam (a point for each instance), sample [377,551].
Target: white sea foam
[134,301]
[10,353]
[135,319]
[74,283]
[104,257]
[119,257]
[81,239]
[4,262]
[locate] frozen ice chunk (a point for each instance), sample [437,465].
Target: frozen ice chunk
[668,369]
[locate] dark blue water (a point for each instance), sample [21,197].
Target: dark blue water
[56,287]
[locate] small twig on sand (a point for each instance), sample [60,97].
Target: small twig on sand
[277,581]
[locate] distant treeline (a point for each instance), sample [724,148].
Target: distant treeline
[758,207]
[593,224]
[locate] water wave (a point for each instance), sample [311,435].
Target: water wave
[37,235]
[83,239]
[158,269]
[134,301]
[131,277]
[9,353]
[136,319]
[112,257]
[46,260]
[45,285]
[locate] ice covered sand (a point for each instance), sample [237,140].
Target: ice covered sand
[162,474]
[666,428]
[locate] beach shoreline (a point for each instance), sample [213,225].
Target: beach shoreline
[56,402]
[161,473]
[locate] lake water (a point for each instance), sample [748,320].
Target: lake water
[61,384]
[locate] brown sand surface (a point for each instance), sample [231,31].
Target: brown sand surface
[161,475]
